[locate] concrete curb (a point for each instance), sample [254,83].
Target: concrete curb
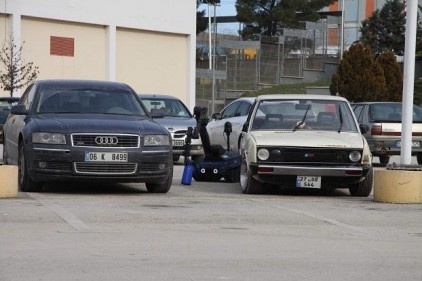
[8,181]
[398,186]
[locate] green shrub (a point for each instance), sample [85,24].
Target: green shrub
[393,76]
[359,77]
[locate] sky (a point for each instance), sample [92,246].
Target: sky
[226,8]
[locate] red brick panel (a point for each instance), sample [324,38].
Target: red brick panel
[62,46]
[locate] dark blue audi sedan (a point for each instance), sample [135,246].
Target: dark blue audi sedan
[88,131]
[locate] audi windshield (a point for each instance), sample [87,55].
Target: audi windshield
[86,100]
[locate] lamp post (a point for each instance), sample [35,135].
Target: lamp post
[408,83]
[209,39]
[213,60]
[342,30]
[211,48]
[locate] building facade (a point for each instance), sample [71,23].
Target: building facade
[149,45]
[355,11]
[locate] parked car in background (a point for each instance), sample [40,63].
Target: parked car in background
[81,130]
[384,120]
[282,146]
[236,113]
[176,118]
[5,104]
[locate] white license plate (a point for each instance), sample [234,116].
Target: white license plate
[105,157]
[178,142]
[308,182]
[414,144]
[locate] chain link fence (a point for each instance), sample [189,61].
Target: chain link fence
[243,66]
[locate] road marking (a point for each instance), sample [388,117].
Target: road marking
[67,216]
[318,217]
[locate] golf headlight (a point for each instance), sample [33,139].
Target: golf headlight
[153,140]
[263,154]
[367,156]
[355,156]
[48,138]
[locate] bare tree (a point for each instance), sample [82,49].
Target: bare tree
[14,72]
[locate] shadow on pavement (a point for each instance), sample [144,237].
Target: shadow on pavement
[93,188]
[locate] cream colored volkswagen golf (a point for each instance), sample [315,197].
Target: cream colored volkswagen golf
[304,142]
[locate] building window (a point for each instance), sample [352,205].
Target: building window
[62,46]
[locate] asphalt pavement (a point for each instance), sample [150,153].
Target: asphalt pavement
[205,231]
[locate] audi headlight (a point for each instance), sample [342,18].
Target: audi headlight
[48,138]
[153,140]
[263,154]
[355,156]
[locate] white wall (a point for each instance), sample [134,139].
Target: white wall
[174,18]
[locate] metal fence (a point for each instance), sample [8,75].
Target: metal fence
[242,66]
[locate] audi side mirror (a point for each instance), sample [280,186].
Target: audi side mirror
[19,109]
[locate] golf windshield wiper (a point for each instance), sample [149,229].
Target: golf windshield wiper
[303,119]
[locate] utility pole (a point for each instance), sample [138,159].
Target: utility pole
[209,39]
[409,80]
[213,61]
[342,29]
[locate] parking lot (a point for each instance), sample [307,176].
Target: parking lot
[205,231]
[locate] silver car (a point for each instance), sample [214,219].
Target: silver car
[5,104]
[384,121]
[235,113]
[177,118]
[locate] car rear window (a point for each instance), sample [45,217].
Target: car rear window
[392,112]
[167,107]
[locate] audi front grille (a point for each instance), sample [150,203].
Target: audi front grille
[105,168]
[106,140]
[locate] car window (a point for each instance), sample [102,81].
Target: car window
[7,103]
[167,107]
[65,99]
[384,112]
[357,110]
[417,114]
[5,106]
[26,98]
[243,109]
[4,112]
[391,112]
[230,111]
[316,114]
[288,108]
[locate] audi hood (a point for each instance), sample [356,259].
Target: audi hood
[85,123]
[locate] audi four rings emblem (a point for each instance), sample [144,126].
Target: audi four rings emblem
[106,140]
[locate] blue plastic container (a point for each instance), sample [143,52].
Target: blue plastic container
[188,172]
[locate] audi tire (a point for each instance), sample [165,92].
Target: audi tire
[24,181]
[163,187]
